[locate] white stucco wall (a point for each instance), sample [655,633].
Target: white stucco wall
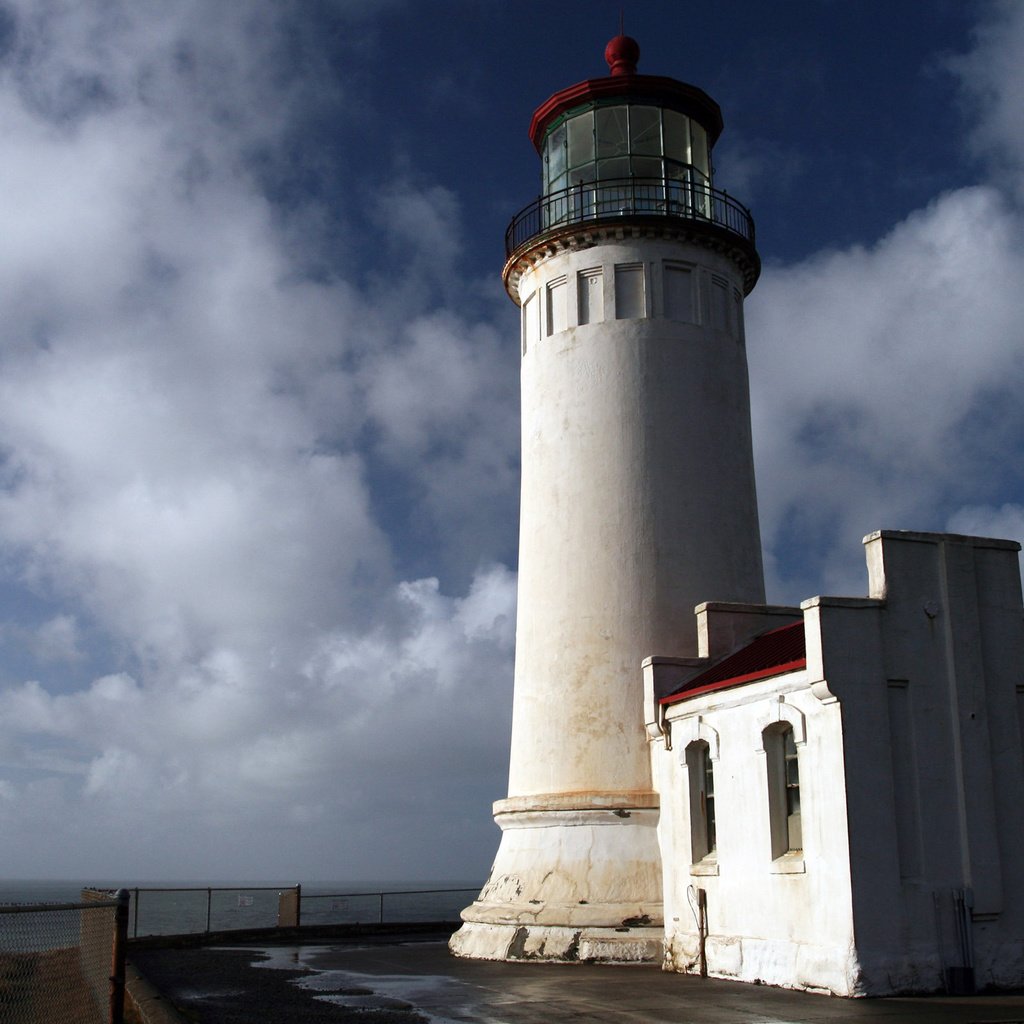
[783,921]
[952,651]
[638,500]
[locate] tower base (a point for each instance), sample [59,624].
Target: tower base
[577,878]
[558,945]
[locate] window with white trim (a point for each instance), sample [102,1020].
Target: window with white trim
[783,789]
[701,772]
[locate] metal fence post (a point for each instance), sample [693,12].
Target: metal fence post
[209,903]
[117,955]
[298,904]
[381,919]
[135,911]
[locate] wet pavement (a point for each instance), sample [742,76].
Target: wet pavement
[419,981]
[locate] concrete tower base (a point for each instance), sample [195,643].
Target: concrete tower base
[577,877]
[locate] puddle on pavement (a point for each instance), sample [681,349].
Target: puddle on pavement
[196,995]
[368,992]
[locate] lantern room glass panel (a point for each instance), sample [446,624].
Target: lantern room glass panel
[612,131]
[614,142]
[645,130]
[581,139]
[677,136]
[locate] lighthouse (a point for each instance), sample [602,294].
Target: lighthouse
[638,496]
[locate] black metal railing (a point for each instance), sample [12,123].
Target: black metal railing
[185,910]
[403,906]
[193,910]
[630,197]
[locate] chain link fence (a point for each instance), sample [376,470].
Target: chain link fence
[63,963]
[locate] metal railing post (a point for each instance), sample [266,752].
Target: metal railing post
[117,956]
[380,920]
[298,904]
[135,914]
[209,902]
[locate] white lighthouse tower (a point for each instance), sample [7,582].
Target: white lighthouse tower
[638,496]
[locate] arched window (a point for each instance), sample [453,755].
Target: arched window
[783,789]
[701,772]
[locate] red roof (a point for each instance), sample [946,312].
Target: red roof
[655,89]
[771,654]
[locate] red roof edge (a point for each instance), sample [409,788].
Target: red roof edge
[725,684]
[774,653]
[664,91]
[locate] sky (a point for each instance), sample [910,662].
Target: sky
[259,386]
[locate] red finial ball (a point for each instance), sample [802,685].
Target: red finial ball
[622,53]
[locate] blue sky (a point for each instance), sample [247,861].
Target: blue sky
[258,386]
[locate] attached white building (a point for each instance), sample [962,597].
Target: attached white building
[842,785]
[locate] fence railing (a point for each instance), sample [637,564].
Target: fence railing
[202,910]
[184,910]
[63,963]
[630,197]
[397,906]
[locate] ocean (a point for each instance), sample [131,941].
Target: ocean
[200,906]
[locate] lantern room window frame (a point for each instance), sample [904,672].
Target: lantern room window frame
[614,139]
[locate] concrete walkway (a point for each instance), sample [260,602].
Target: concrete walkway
[421,981]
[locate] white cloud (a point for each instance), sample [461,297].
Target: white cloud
[219,439]
[993,77]
[875,371]
[185,468]
[886,380]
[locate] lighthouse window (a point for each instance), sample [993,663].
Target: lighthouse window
[617,168]
[622,141]
[557,313]
[590,296]
[677,137]
[556,158]
[645,130]
[611,123]
[581,139]
[679,304]
[629,291]
[646,167]
[699,149]
[720,305]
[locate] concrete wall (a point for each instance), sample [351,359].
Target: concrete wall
[953,654]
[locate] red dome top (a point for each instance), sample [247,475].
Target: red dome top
[621,54]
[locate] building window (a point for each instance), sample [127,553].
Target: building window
[701,772]
[783,789]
